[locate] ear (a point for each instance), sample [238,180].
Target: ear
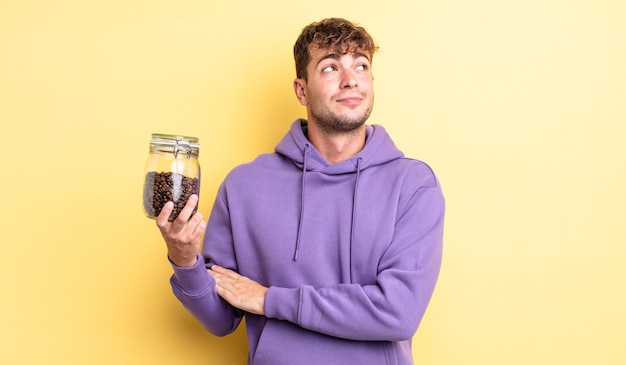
[299,86]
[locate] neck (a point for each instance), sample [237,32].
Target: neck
[339,147]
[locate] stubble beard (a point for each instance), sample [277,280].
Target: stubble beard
[330,123]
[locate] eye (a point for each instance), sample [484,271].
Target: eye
[329,68]
[362,67]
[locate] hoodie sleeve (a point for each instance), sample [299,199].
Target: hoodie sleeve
[195,287]
[392,308]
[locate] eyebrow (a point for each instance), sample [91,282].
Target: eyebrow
[335,56]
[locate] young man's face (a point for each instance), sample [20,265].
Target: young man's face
[339,93]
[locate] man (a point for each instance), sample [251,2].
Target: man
[330,246]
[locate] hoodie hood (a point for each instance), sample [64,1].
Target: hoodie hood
[378,149]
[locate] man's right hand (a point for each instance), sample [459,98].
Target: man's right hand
[183,236]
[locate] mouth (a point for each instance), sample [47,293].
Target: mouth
[350,100]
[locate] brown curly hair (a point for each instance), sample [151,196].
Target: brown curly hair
[340,34]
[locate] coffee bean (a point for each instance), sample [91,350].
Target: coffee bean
[161,187]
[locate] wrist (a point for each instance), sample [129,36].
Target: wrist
[184,262]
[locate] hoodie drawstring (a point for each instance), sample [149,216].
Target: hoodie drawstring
[354,199]
[354,206]
[306,155]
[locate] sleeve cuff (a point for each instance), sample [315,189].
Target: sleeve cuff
[282,303]
[193,280]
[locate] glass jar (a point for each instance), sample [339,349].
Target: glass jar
[172,173]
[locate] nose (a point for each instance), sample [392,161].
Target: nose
[348,80]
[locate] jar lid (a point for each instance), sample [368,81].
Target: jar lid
[175,143]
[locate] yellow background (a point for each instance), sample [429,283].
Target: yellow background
[519,106]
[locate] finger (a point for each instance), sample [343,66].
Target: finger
[226,272]
[223,292]
[186,212]
[218,269]
[162,218]
[197,221]
[214,273]
[200,229]
[222,284]
[219,278]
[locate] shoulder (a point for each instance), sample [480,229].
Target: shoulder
[263,165]
[417,173]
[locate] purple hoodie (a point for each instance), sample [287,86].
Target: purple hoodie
[350,253]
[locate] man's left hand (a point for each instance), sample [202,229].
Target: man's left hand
[238,290]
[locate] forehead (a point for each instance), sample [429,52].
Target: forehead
[318,53]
